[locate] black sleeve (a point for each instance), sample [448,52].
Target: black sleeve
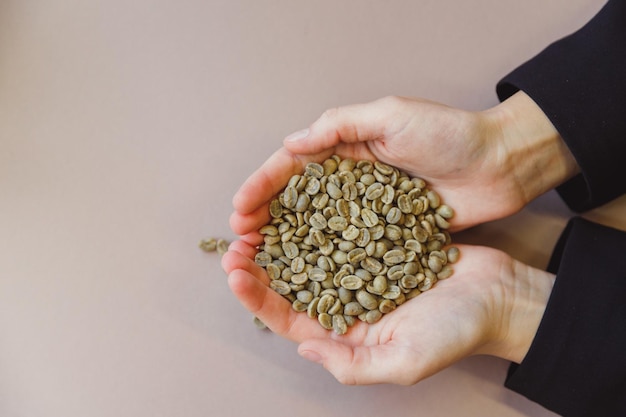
[576,365]
[580,84]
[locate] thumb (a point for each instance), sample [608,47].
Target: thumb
[360,365]
[348,124]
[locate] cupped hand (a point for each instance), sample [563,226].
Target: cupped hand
[463,155]
[491,305]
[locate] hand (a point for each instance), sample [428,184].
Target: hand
[491,305]
[486,165]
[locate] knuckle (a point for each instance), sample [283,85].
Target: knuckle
[331,113]
[346,379]
[393,101]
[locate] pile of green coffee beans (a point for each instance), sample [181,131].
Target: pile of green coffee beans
[353,240]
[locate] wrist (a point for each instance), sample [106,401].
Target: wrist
[533,155]
[522,299]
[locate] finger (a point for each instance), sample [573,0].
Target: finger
[268,180]
[252,239]
[361,365]
[242,224]
[272,309]
[235,260]
[249,282]
[244,248]
[348,124]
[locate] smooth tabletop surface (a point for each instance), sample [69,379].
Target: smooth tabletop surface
[125,129]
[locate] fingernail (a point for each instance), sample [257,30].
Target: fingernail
[299,135]
[311,356]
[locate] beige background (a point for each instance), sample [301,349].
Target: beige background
[125,129]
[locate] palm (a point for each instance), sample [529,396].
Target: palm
[426,334]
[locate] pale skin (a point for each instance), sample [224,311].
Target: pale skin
[490,164]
